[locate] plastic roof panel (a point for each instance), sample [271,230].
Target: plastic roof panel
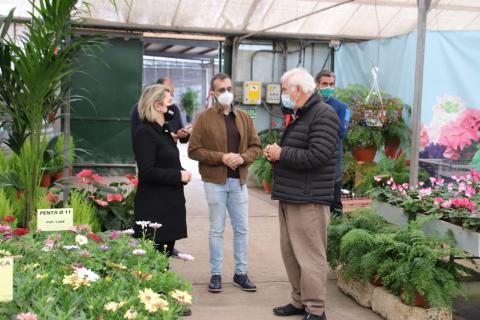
[356,19]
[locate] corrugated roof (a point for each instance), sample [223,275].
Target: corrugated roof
[357,19]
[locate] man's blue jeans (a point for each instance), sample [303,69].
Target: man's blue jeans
[234,197]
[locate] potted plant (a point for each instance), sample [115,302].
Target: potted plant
[364,141]
[395,129]
[190,102]
[263,173]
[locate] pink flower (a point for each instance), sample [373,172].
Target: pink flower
[84,253]
[52,198]
[451,154]
[377,178]
[114,197]
[447,204]
[450,186]
[462,186]
[49,242]
[423,136]
[85,173]
[405,185]
[101,202]
[115,234]
[425,192]
[475,174]
[4,228]
[438,200]
[134,181]
[27,316]
[433,180]
[96,178]
[84,227]
[421,183]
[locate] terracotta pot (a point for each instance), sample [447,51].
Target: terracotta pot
[391,148]
[364,154]
[46,180]
[267,186]
[376,280]
[419,301]
[58,176]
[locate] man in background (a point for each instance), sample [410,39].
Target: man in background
[325,85]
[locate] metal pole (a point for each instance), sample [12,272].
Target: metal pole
[248,35]
[423,6]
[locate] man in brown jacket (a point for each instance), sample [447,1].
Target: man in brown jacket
[225,143]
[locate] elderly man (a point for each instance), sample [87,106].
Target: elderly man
[304,175]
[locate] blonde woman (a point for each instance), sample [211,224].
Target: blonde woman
[160,196]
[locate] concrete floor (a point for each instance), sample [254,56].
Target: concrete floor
[265,263]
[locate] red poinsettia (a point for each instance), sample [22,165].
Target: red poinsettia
[9,219]
[20,231]
[52,197]
[94,236]
[114,197]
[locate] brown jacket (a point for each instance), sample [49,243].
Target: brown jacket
[208,144]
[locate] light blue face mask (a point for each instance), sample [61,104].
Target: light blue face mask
[287,102]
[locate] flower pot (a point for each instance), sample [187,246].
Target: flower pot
[267,186]
[391,147]
[59,175]
[365,154]
[376,280]
[418,301]
[20,194]
[46,180]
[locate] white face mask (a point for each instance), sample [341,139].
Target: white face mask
[225,99]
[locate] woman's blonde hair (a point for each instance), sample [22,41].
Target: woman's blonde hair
[150,95]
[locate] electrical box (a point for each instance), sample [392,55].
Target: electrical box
[252,93]
[273,94]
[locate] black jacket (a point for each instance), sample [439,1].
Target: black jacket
[305,172]
[174,125]
[160,196]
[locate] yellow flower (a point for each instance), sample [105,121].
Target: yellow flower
[41,276]
[76,281]
[142,275]
[5,253]
[30,266]
[115,265]
[147,295]
[108,279]
[131,314]
[181,296]
[114,306]
[156,304]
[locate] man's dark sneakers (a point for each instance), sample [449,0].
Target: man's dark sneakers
[242,281]
[309,316]
[288,310]
[215,284]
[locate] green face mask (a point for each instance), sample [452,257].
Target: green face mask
[326,92]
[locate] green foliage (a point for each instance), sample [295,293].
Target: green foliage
[34,83]
[364,136]
[83,211]
[406,260]
[6,207]
[262,169]
[190,101]
[269,136]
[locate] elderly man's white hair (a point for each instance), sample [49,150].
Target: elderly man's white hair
[299,77]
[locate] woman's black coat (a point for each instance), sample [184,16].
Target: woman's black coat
[160,196]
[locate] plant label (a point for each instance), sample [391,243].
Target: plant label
[54,219]
[6,279]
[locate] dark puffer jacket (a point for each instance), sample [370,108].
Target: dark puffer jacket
[305,172]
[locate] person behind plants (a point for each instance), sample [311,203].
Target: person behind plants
[178,132]
[303,178]
[325,85]
[160,197]
[225,143]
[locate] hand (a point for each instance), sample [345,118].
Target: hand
[232,160]
[186,176]
[183,133]
[272,152]
[174,136]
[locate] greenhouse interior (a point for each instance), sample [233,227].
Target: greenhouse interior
[339,137]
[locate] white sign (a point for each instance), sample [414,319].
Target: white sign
[54,219]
